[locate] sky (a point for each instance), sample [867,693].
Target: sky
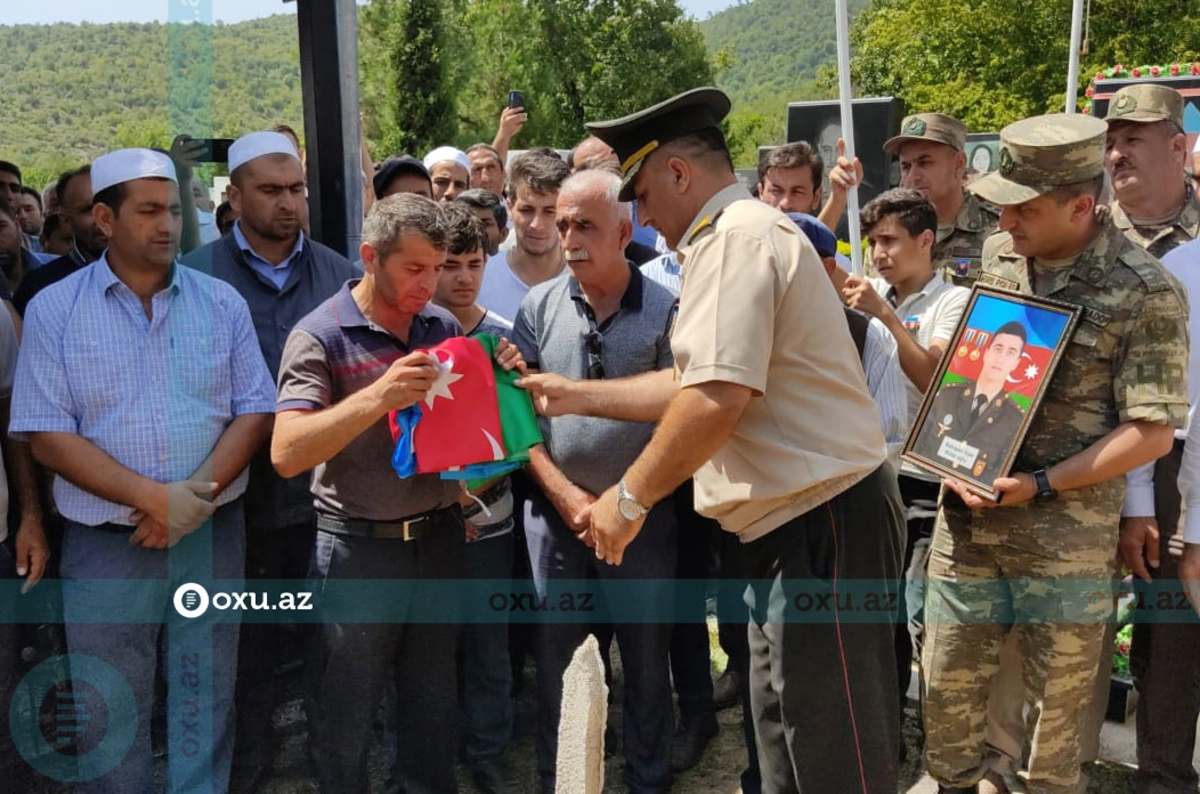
[47,11]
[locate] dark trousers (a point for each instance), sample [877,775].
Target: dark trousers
[732,618]
[1165,661]
[823,692]
[117,601]
[690,663]
[279,554]
[487,675]
[920,498]
[645,573]
[351,662]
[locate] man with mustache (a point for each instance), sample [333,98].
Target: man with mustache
[283,275]
[1146,153]
[605,320]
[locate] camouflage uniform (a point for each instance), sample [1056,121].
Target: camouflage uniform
[1158,240]
[1043,568]
[957,250]
[958,253]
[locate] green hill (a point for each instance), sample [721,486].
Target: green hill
[71,91]
[775,47]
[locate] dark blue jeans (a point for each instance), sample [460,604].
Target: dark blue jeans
[117,598]
[556,554]
[487,673]
[352,661]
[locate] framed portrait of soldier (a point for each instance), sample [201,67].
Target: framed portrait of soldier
[988,387]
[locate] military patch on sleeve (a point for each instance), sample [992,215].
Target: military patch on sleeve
[1000,282]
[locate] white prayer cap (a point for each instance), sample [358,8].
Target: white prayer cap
[125,165]
[443,153]
[257,144]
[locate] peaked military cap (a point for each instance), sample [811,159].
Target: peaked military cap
[936,127]
[635,136]
[1147,103]
[1042,153]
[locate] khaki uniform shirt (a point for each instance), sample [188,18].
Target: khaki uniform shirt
[1126,361]
[1158,240]
[959,254]
[757,309]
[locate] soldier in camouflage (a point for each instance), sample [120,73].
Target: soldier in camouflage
[1146,159]
[1155,206]
[1039,562]
[933,160]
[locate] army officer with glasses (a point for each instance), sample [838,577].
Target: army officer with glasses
[600,320]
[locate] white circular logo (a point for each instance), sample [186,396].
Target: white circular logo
[191,600]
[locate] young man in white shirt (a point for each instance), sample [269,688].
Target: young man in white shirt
[921,311]
[533,182]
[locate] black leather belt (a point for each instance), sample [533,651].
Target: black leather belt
[410,528]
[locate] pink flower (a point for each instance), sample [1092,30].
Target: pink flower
[1118,69]
[1101,75]
[1196,68]
[1090,92]
[1087,110]
[1137,72]
[1155,71]
[1174,69]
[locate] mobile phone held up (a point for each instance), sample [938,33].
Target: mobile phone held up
[216,150]
[516,99]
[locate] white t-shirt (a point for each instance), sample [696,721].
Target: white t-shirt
[930,313]
[501,292]
[8,367]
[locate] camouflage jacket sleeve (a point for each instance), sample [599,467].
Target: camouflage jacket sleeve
[1150,369]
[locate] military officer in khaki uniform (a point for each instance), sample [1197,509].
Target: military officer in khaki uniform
[769,410]
[979,414]
[933,159]
[1155,205]
[1039,561]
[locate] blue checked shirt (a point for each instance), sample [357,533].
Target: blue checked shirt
[155,394]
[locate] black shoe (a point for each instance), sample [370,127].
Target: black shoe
[727,690]
[489,777]
[687,746]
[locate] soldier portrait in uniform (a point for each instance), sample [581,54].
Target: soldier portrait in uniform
[988,387]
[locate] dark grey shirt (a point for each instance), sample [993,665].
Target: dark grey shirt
[332,353]
[551,331]
[318,272]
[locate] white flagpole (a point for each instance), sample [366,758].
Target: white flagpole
[846,97]
[1073,63]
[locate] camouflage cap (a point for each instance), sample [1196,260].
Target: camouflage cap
[1042,153]
[936,127]
[1147,103]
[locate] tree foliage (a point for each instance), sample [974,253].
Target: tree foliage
[995,61]
[408,46]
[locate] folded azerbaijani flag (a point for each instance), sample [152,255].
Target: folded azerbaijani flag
[475,424]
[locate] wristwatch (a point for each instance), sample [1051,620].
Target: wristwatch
[1044,491]
[631,509]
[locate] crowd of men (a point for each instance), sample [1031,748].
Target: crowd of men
[202,395]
